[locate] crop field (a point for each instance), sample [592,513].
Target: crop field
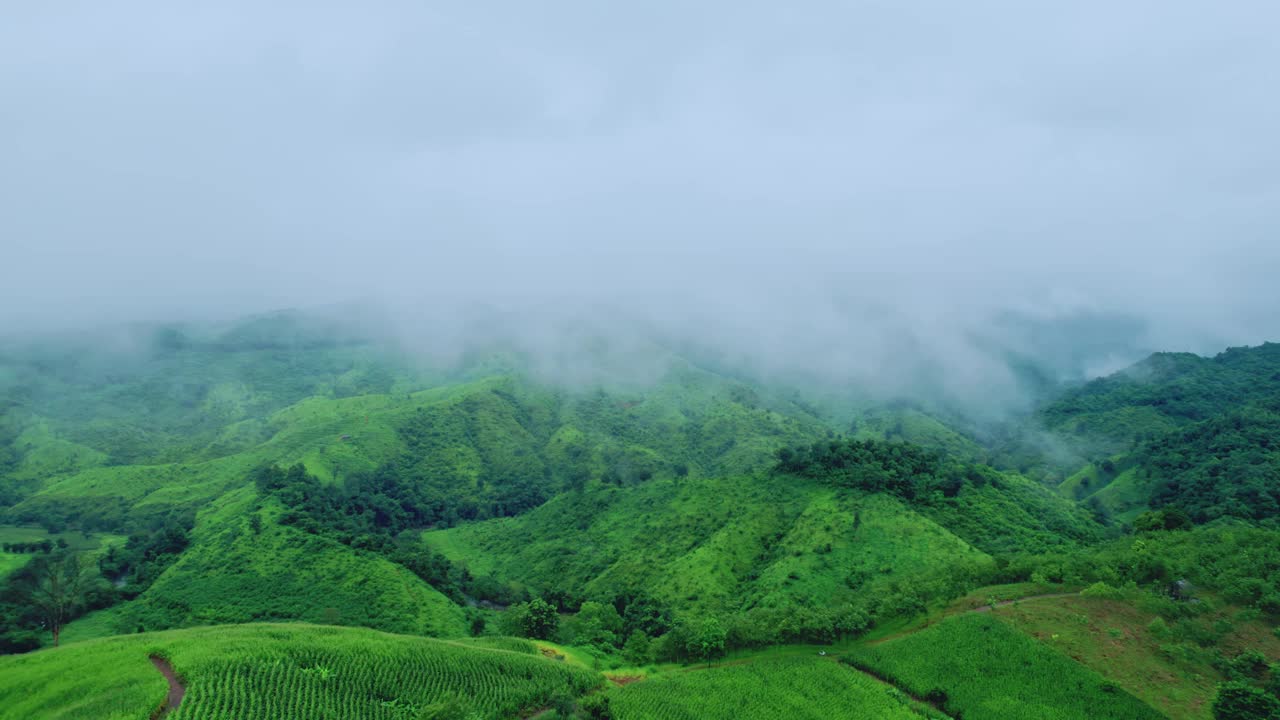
[980,667]
[797,688]
[281,672]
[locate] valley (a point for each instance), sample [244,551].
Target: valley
[704,545]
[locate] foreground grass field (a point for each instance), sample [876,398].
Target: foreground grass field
[982,668]
[283,672]
[797,688]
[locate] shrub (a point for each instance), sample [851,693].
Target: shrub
[1241,701]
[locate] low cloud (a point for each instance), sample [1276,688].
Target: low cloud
[852,190]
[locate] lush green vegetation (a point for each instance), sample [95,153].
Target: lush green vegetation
[1170,655]
[1167,391]
[979,666]
[282,671]
[1226,465]
[1178,432]
[788,687]
[288,469]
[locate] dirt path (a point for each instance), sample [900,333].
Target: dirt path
[176,690]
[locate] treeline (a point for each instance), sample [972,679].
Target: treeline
[377,512]
[902,469]
[41,546]
[639,630]
[133,567]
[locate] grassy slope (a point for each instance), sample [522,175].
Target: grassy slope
[987,669]
[488,428]
[1115,638]
[464,436]
[803,688]
[1122,495]
[232,575]
[710,543]
[915,426]
[278,671]
[730,543]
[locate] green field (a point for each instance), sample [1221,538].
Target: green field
[288,672]
[981,667]
[804,688]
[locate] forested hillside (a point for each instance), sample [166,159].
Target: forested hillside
[287,470]
[1179,432]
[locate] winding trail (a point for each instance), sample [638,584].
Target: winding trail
[176,689]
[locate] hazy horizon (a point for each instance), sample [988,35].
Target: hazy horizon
[823,191]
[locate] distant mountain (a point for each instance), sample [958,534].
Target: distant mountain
[1180,430]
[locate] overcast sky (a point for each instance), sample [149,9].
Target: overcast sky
[735,163]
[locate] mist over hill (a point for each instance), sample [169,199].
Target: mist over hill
[653,361]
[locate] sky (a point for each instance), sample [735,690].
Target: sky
[835,180]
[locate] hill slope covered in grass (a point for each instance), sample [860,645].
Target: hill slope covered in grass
[803,688]
[979,667]
[768,545]
[426,447]
[288,672]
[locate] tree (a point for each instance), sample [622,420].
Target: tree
[595,624]
[1241,701]
[643,612]
[539,620]
[636,650]
[56,587]
[707,640]
[850,621]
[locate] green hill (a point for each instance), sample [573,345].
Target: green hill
[280,671]
[768,547]
[207,409]
[979,667]
[1176,430]
[1164,392]
[290,469]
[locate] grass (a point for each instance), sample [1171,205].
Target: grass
[781,541]
[76,540]
[1116,638]
[799,688]
[285,672]
[184,431]
[1123,495]
[231,574]
[981,667]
